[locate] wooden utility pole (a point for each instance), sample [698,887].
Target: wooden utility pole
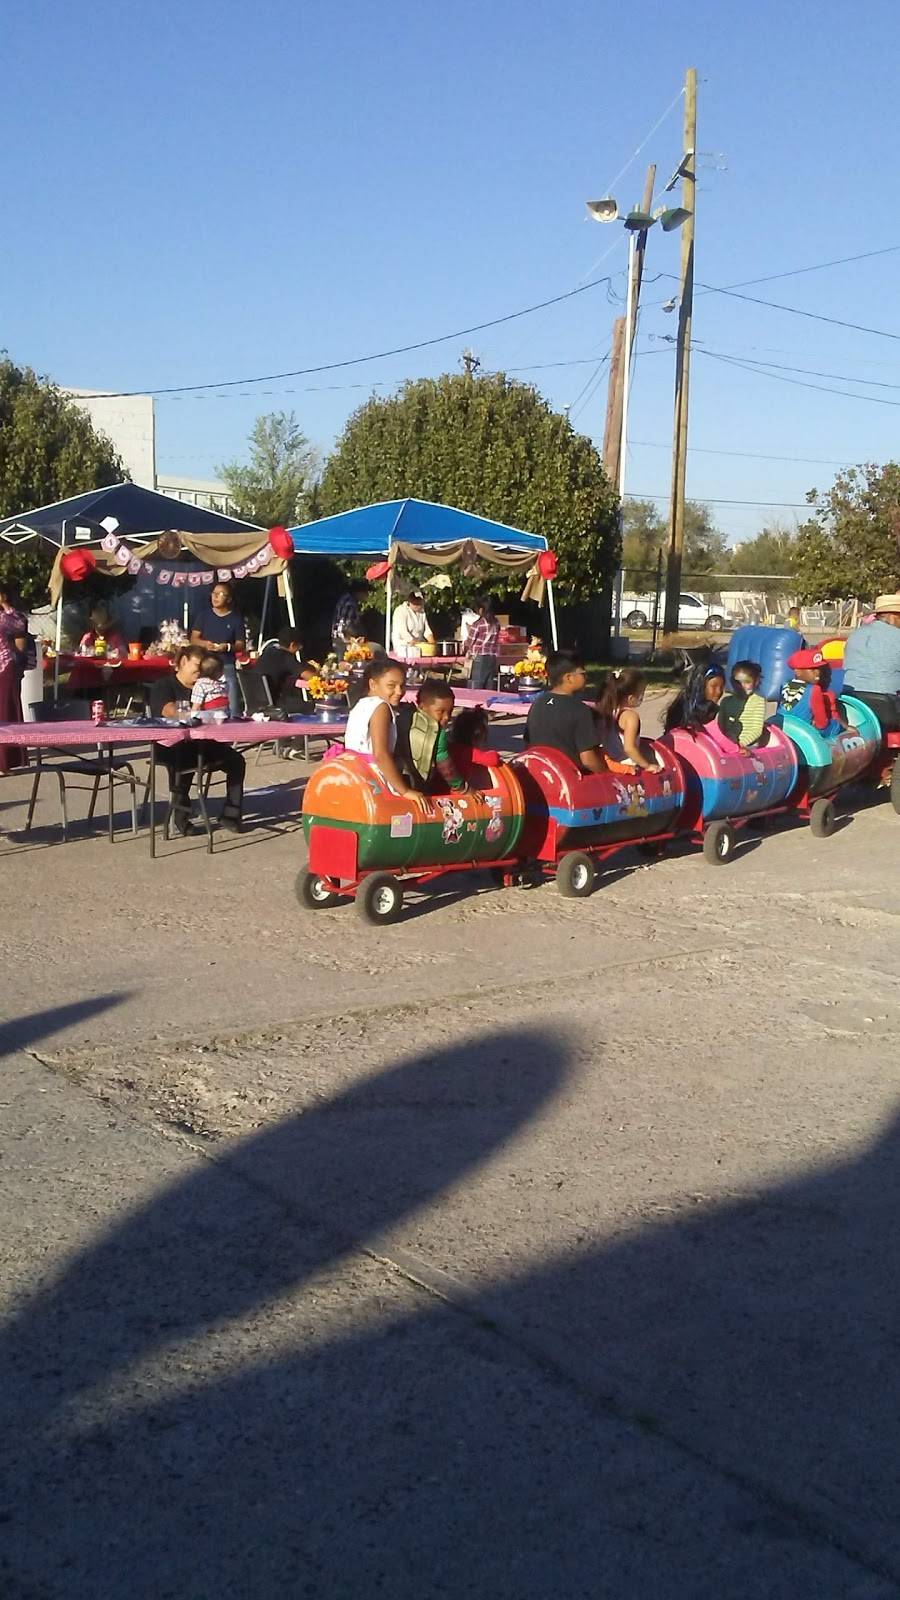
[612,433]
[683,355]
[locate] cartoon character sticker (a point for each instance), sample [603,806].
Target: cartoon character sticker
[494,825]
[453,821]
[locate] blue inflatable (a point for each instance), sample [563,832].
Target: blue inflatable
[770,649]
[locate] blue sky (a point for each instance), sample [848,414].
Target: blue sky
[200,193]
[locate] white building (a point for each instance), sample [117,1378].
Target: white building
[129,422]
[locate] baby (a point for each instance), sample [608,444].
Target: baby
[210,692]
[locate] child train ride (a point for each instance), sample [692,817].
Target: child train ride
[718,765]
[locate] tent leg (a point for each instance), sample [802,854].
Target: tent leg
[388,603]
[552,604]
[59,623]
[265,609]
[184,615]
[289,595]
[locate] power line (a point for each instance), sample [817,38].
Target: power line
[748,455]
[820,266]
[796,311]
[791,505]
[808,372]
[355,361]
[779,377]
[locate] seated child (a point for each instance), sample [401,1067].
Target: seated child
[616,709]
[422,748]
[210,692]
[807,695]
[467,738]
[742,714]
[697,703]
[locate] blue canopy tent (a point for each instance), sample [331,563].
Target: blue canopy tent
[424,532]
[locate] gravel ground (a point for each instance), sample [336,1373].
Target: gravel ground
[528,1247]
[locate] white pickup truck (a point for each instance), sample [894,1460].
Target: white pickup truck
[694,613]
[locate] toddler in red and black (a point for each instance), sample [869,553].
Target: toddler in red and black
[467,739]
[808,692]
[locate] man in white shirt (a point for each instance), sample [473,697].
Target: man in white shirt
[409,625]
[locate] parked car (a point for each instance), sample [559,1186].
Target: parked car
[694,613]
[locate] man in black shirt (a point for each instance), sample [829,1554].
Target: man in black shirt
[171,697]
[280,665]
[560,718]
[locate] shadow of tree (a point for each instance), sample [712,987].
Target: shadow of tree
[703,1408]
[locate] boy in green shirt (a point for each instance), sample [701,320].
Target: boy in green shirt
[423,751]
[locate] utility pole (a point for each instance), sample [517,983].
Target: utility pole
[615,443]
[688,171]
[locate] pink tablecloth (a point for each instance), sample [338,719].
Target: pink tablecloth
[70,735]
[261,732]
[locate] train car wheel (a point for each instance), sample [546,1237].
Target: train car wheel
[718,843]
[822,819]
[314,893]
[379,898]
[575,875]
[895,785]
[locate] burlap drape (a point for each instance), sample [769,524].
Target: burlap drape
[469,553]
[213,549]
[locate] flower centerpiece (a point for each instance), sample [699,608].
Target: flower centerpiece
[327,685]
[357,651]
[531,671]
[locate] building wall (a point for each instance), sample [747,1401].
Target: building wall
[128,420]
[205,492]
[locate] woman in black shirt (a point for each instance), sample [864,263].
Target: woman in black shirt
[221,627]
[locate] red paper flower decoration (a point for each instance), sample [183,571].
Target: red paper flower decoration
[76,565]
[282,543]
[379,570]
[548,565]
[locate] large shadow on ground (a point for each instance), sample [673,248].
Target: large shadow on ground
[705,1408]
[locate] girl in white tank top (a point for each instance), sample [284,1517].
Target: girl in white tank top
[372,726]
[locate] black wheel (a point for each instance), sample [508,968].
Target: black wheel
[895,785]
[379,898]
[822,819]
[314,892]
[718,843]
[715,624]
[575,875]
[636,619]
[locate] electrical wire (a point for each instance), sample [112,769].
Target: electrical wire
[747,455]
[779,377]
[355,361]
[793,505]
[796,311]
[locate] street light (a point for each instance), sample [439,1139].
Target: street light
[638,224]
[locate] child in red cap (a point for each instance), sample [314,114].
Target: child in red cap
[808,695]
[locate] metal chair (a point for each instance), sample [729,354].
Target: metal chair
[116,769]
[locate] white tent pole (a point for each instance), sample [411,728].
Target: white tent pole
[59,620]
[388,602]
[552,604]
[265,611]
[289,595]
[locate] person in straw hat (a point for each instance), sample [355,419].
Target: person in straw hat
[872,662]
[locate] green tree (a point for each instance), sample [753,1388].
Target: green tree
[773,550]
[491,446]
[49,450]
[646,531]
[850,548]
[273,486]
